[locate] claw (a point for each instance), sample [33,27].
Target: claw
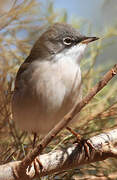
[88,147]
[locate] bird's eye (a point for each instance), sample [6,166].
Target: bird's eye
[67,41]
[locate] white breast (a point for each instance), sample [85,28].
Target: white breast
[50,92]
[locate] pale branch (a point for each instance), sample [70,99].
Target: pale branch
[67,118]
[103,146]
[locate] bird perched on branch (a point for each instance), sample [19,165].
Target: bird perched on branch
[48,83]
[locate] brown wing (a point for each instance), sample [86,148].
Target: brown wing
[22,68]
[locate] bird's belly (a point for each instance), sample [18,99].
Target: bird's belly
[47,101]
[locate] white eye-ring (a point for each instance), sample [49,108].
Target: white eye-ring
[67,41]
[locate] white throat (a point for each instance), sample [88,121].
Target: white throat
[74,53]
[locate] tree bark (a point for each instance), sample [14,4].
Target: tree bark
[101,147]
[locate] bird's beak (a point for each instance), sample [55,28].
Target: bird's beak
[86,40]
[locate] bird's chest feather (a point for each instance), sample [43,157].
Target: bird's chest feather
[50,85]
[55,82]
[51,90]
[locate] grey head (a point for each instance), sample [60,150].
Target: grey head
[57,38]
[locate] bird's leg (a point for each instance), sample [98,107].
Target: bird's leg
[36,160]
[88,146]
[78,136]
[34,139]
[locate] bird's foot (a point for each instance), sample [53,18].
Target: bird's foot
[88,146]
[37,165]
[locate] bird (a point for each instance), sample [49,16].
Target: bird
[48,82]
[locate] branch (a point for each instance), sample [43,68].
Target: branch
[64,159]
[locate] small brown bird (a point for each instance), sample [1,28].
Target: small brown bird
[48,83]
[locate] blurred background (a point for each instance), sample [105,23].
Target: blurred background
[21,23]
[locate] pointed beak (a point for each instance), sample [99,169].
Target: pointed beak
[87,40]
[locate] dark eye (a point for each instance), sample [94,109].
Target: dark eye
[67,41]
